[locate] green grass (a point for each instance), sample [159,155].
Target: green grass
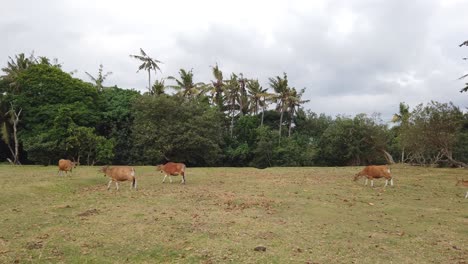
[301,215]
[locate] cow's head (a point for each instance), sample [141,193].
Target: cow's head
[103,169]
[358,175]
[159,167]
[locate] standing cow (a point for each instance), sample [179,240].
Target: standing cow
[118,174]
[374,172]
[66,166]
[172,169]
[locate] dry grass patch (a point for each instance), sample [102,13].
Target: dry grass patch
[290,215]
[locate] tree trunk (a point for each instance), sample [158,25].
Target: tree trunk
[263,115]
[149,80]
[15,136]
[281,124]
[457,163]
[388,157]
[290,122]
[232,117]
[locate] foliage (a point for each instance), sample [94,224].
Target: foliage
[172,128]
[229,122]
[352,141]
[432,133]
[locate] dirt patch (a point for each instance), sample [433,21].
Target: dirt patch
[34,245]
[89,212]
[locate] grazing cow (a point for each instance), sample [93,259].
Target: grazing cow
[375,172]
[66,166]
[463,182]
[172,169]
[118,174]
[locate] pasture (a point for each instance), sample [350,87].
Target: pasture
[300,215]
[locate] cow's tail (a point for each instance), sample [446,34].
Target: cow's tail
[134,182]
[183,173]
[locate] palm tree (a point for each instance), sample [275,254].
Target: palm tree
[232,96]
[293,103]
[185,85]
[280,86]
[16,66]
[257,97]
[148,64]
[402,117]
[158,87]
[100,78]
[243,98]
[218,87]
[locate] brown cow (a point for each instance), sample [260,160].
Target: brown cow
[374,172]
[172,169]
[464,183]
[120,173]
[66,166]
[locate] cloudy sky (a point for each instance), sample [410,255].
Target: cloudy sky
[362,56]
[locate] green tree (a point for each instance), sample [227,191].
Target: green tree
[185,86]
[432,134]
[282,90]
[148,64]
[100,78]
[353,141]
[401,118]
[15,66]
[293,103]
[158,88]
[116,121]
[232,96]
[168,127]
[217,88]
[52,101]
[258,98]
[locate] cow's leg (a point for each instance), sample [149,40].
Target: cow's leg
[466,196]
[366,182]
[391,181]
[109,184]
[386,182]
[170,178]
[183,178]
[165,175]
[117,185]
[372,182]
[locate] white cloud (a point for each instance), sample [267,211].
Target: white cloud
[353,56]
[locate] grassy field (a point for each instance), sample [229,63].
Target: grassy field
[300,215]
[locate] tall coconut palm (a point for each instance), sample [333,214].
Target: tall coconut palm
[185,86]
[158,87]
[100,78]
[257,97]
[293,103]
[148,64]
[217,87]
[14,67]
[232,96]
[282,90]
[243,98]
[402,118]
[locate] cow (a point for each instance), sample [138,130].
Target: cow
[464,183]
[172,169]
[66,166]
[374,172]
[118,174]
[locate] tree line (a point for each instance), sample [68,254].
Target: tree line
[47,114]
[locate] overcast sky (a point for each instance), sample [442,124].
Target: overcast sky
[360,56]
